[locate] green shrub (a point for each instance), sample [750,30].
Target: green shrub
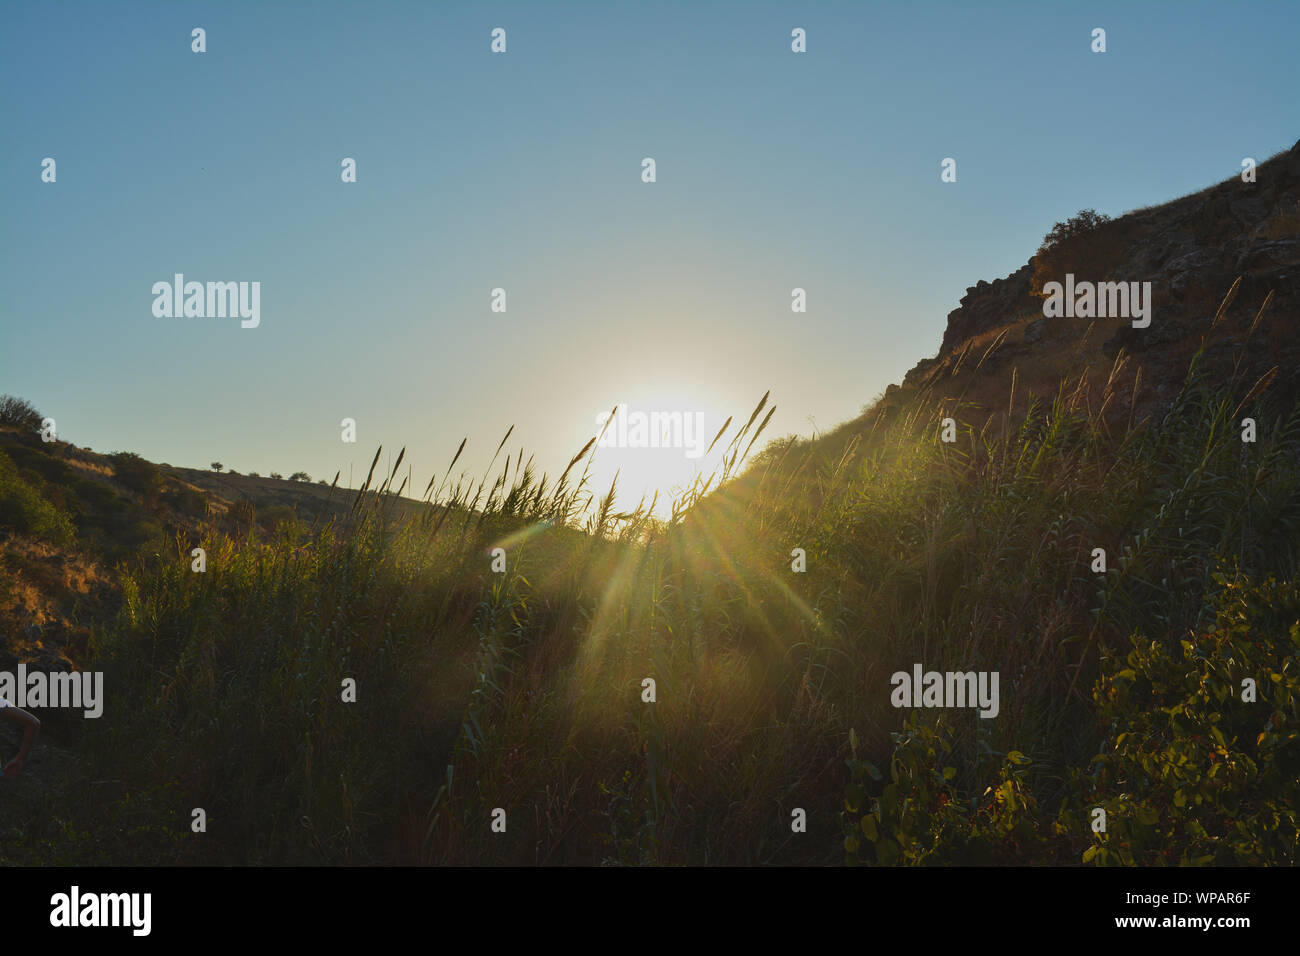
[144,535]
[920,815]
[188,501]
[25,510]
[95,496]
[137,474]
[1192,773]
[51,469]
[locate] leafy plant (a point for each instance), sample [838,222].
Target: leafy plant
[1195,772]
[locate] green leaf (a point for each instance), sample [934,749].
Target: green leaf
[886,851]
[889,801]
[853,797]
[868,825]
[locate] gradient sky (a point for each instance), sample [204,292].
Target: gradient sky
[522,170]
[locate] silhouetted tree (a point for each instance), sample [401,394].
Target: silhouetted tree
[141,476]
[1070,246]
[20,413]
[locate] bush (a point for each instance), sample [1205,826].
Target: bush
[189,501]
[1075,245]
[1192,773]
[275,515]
[1085,222]
[140,536]
[920,816]
[52,469]
[141,476]
[98,497]
[24,510]
[19,413]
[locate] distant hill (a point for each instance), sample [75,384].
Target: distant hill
[68,515]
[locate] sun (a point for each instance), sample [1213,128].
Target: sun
[655,447]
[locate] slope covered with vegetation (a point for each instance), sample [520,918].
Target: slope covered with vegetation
[628,690]
[523,689]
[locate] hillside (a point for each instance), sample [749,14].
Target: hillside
[998,348]
[997,352]
[1100,541]
[69,516]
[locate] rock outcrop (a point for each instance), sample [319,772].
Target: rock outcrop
[1192,250]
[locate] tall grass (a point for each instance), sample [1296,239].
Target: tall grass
[522,690]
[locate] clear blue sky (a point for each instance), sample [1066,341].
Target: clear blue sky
[522,170]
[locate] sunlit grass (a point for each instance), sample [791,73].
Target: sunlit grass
[523,689]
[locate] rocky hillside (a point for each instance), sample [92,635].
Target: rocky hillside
[1191,250]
